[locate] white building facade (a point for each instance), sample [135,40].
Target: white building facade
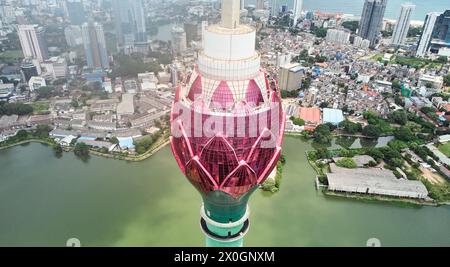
[403,23]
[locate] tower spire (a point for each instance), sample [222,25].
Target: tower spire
[231,12]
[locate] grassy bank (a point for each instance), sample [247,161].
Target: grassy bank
[274,186]
[46,141]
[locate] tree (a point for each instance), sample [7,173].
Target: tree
[351,25]
[42,130]
[114,140]
[74,103]
[397,145]
[297,121]
[304,55]
[372,131]
[81,150]
[45,92]
[447,80]
[350,127]
[396,84]
[132,65]
[414,31]
[399,117]
[306,83]
[404,134]
[158,124]
[323,153]
[322,134]
[323,104]
[22,134]
[58,150]
[288,94]
[348,163]
[368,115]
[414,127]
[144,144]
[15,109]
[376,153]
[320,32]
[442,60]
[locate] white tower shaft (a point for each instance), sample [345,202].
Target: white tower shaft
[231,12]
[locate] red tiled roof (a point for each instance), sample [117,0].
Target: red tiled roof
[311,115]
[446,106]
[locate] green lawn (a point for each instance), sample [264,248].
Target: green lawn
[445,149]
[40,107]
[11,56]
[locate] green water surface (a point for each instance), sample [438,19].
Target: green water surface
[45,200]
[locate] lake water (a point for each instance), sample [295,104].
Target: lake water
[45,200]
[355,6]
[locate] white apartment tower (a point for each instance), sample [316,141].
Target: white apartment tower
[403,23]
[297,10]
[33,43]
[427,34]
[339,37]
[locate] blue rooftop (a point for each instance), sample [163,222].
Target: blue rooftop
[126,142]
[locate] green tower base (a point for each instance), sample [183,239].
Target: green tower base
[220,234]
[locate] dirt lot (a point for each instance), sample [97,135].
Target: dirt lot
[434,178]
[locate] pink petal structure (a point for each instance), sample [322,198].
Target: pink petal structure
[237,157]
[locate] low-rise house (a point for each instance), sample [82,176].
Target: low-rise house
[374,181]
[126,107]
[8,121]
[60,133]
[100,125]
[77,123]
[97,144]
[67,141]
[36,82]
[92,135]
[79,115]
[40,119]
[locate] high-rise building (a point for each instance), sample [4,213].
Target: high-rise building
[427,34]
[274,8]
[403,23]
[442,27]
[75,12]
[361,43]
[372,20]
[7,14]
[73,35]
[297,11]
[191,28]
[260,4]
[95,45]
[441,32]
[227,91]
[32,39]
[179,41]
[242,4]
[129,20]
[339,37]
[28,69]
